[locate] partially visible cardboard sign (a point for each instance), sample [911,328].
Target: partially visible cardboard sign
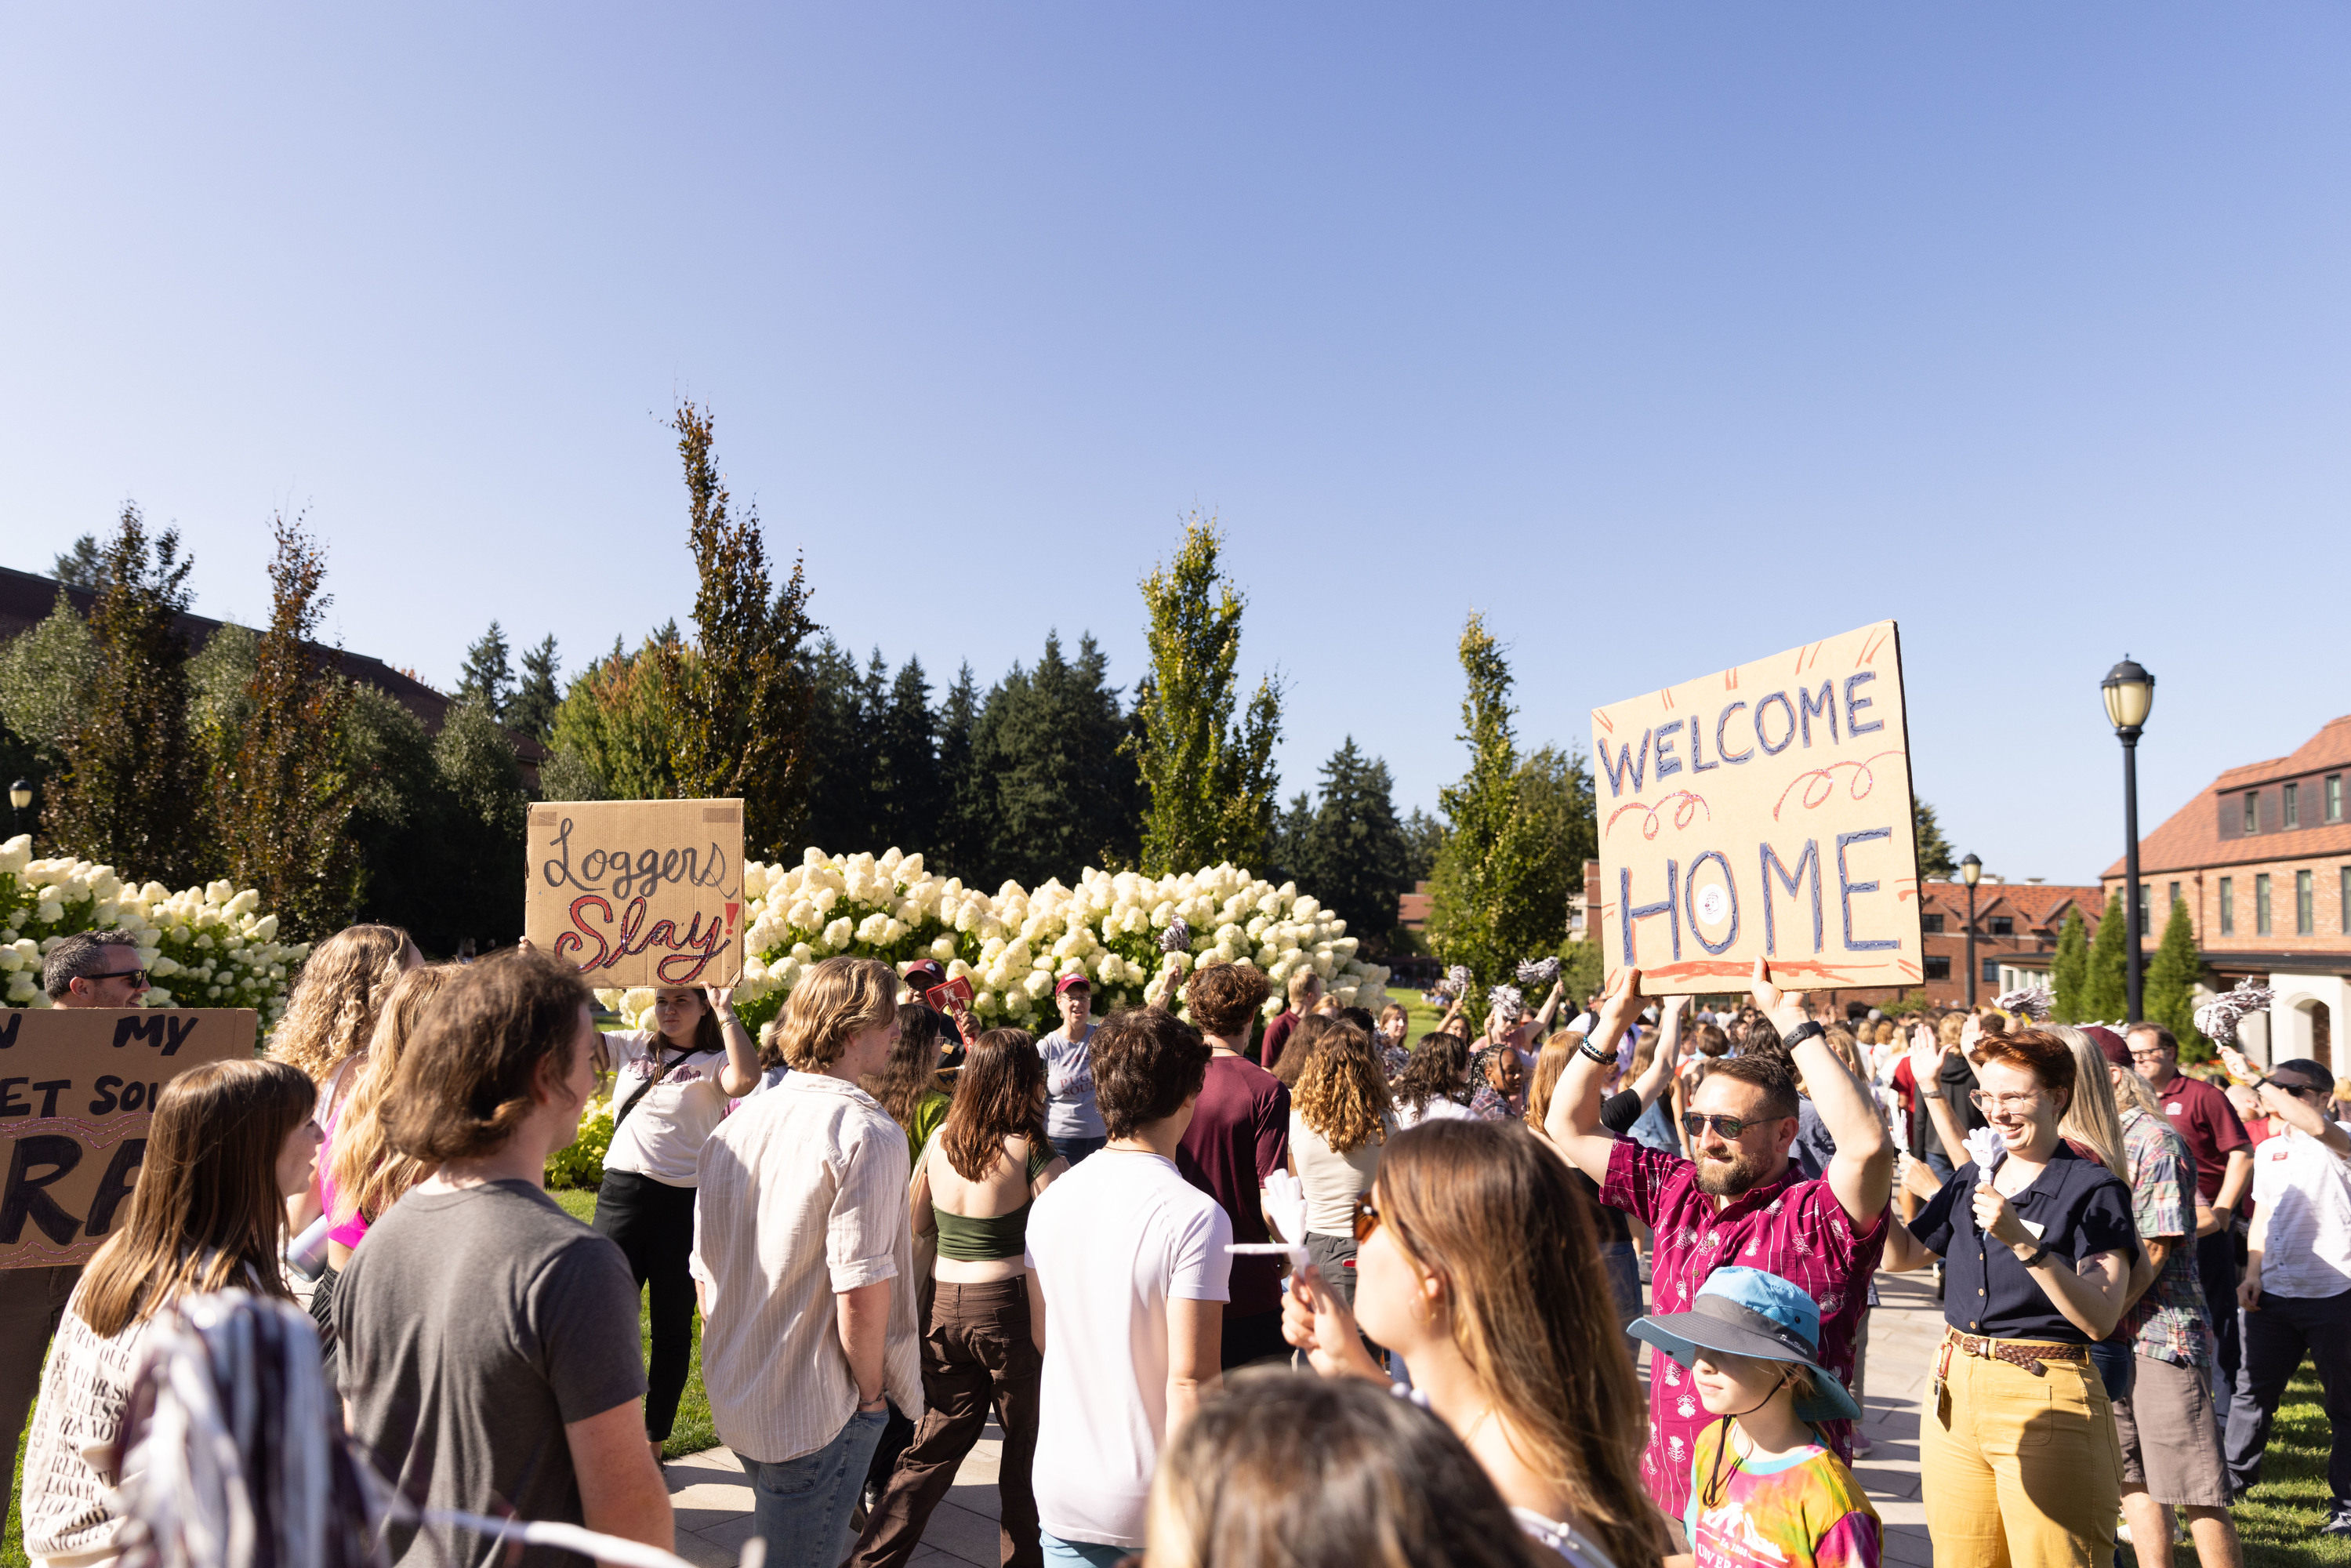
[76,1087]
[1762,812]
[639,892]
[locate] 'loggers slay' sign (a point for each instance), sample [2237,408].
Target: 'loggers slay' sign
[1762,812]
[639,892]
[76,1087]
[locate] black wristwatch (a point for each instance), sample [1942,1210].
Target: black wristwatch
[2038,1253]
[1808,1029]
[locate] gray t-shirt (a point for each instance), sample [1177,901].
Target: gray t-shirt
[475,1325]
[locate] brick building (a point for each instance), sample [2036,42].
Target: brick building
[2261,861]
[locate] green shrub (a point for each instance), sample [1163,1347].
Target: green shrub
[582,1162]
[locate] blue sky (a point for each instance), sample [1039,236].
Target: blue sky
[1667,336]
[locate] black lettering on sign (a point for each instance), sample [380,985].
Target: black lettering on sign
[120,1176]
[14,1021]
[24,1197]
[147,1027]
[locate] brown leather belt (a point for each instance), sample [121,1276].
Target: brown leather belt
[2028,1353]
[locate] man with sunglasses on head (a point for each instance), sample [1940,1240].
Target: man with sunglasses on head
[86,969]
[2296,1290]
[1740,1202]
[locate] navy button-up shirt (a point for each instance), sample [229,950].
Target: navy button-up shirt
[2080,1208]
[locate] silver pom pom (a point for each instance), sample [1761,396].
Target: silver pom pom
[2032,1002]
[1507,1002]
[1176,938]
[1539,972]
[2218,1020]
[1457,978]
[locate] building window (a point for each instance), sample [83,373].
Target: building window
[2253,811]
[2342,915]
[2003,925]
[2145,892]
[2174,900]
[1991,970]
[1938,966]
[2228,906]
[2292,801]
[2302,903]
[2262,904]
[1932,925]
[2334,797]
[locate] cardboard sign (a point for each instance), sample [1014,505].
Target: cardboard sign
[76,1086]
[953,997]
[1762,812]
[639,892]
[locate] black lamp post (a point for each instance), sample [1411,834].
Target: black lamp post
[1971,872]
[2129,692]
[20,795]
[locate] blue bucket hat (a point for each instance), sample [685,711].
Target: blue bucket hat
[1746,1311]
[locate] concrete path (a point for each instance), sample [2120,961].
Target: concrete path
[713,1500]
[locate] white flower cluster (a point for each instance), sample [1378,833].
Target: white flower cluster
[1014,944]
[202,946]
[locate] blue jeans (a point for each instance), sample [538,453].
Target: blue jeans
[1076,1149]
[1060,1553]
[800,1508]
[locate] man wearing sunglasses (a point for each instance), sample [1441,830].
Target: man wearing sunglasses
[1740,1202]
[2296,1289]
[86,969]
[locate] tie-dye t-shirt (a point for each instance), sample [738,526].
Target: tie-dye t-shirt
[1793,1511]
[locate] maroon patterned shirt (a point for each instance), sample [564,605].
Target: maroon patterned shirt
[1791,1227]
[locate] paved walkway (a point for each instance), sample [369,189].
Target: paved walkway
[713,1500]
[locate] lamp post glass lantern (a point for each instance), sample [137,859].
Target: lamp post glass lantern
[20,795]
[2129,693]
[1971,872]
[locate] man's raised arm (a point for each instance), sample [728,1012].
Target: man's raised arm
[1573,1123]
[1862,1174]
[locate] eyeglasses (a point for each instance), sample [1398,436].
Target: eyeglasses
[2296,1089]
[1995,1105]
[1367,1216]
[1696,1122]
[138,975]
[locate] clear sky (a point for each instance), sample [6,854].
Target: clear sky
[1668,335]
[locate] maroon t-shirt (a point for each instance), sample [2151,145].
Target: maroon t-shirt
[1276,1035]
[2202,1115]
[1240,1135]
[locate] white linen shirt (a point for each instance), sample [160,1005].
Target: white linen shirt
[803,1197]
[2304,1189]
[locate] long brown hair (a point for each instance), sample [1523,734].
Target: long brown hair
[1309,1028]
[1339,1093]
[206,1212]
[331,1013]
[997,1097]
[1487,1209]
[369,1175]
[911,1073]
[1438,1070]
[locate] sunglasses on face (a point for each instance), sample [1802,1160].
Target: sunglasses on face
[1367,1216]
[138,975]
[1695,1123]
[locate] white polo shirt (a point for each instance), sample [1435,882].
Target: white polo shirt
[2304,1190]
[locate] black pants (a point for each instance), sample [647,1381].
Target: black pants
[1257,1337]
[2216,1270]
[653,1223]
[2275,1340]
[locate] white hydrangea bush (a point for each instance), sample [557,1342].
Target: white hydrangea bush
[202,946]
[1014,944]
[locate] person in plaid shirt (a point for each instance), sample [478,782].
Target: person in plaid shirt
[1740,1203]
[2171,1437]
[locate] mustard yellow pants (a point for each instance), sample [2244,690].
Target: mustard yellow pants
[2019,1470]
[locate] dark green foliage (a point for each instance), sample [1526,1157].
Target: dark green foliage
[2102,982]
[133,792]
[906,790]
[488,676]
[1349,850]
[844,746]
[1935,858]
[2171,987]
[738,703]
[1049,775]
[610,737]
[2069,970]
[284,803]
[82,565]
[532,712]
[1424,835]
[960,845]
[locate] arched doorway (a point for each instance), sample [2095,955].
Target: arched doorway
[2322,1045]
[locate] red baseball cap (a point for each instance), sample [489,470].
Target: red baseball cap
[2110,1045]
[1072,980]
[925,972]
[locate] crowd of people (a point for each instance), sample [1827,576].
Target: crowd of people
[1313,1294]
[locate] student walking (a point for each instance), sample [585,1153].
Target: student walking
[1238,1136]
[1072,1119]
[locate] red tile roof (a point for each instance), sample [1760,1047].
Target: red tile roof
[2192,839]
[2035,906]
[2330,747]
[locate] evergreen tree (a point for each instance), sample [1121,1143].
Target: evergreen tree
[532,712]
[482,807]
[2171,977]
[739,708]
[2069,970]
[1935,859]
[1352,857]
[1047,749]
[906,785]
[47,676]
[489,674]
[133,792]
[82,565]
[1491,900]
[609,740]
[964,846]
[1424,835]
[1555,790]
[841,756]
[2103,989]
[284,804]
[1213,787]
[1286,854]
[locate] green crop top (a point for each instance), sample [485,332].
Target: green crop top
[969,1238]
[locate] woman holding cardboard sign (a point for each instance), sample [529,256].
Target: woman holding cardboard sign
[672,1087]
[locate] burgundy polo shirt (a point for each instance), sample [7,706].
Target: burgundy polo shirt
[2202,1115]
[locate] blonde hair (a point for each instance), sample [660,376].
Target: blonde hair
[2129,1085]
[369,1175]
[2090,1118]
[1339,1093]
[1302,984]
[331,1013]
[1949,1028]
[839,999]
[1549,1067]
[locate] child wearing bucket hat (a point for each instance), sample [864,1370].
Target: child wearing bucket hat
[1764,1490]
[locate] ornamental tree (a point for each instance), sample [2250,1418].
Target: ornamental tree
[2105,992]
[2069,968]
[2171,977]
